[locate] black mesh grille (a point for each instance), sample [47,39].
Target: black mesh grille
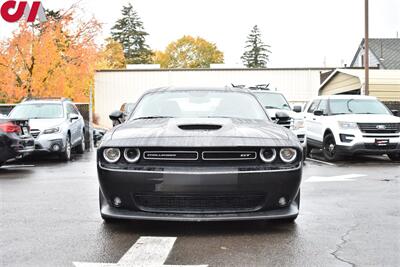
[200,203]
[379,127]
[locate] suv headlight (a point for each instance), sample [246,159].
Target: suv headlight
[348,125]
[298,124]
[52,130]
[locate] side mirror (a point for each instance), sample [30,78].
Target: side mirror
[72,117]
[318,113]
[297,109]
[396,112]
[116,117]
[282,116]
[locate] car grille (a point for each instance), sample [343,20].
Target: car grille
[387,128]
[197,155]
[286,124]
[35,133]
[200,203]
[373,146]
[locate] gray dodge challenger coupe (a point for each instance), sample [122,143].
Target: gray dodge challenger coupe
[190,154]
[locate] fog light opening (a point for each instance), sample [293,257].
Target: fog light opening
[117,202]
[56,147]
[282,202]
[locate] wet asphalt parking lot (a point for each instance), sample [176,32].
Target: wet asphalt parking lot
[350,216]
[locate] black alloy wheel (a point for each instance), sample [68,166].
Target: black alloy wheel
[329,148]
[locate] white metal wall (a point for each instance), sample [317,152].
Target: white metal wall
[113,88]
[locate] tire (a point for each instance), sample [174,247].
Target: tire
[394,156]
[329,148]
[82,146]
[308,151]
[66,155]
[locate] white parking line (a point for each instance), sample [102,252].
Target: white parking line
[320,161]
[17,166]
[339,178]
[147,251]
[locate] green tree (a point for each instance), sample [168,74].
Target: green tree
[256,53]
[189,52]
[129,32]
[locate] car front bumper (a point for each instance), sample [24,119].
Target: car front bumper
[209,188]
[46,143]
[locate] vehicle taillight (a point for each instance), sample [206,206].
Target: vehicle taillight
[10,127]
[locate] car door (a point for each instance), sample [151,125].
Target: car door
[73,124]
[310,120]
[318,121]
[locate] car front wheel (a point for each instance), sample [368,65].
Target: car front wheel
[329,148]
[66,155]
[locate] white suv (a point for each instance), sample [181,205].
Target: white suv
[56,125]
[275,102]
[345,125]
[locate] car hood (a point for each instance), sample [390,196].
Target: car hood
[272,113]
[43,124]
[368,118]
[178,132]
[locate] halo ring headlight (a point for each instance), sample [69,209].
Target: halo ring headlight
[288,155]
[132,155]
[270,158]
[112,155]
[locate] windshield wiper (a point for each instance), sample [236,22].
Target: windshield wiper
[153,117]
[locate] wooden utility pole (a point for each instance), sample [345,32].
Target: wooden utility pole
[366,49]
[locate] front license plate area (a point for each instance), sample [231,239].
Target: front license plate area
[381,142]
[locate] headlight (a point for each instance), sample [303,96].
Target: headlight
[268,155]
[132,155]
[51,130]
[298,124]
[288,155]
[111,155]
[348,125]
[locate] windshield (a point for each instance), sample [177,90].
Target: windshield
[273,101]
[357,106]
[199,104]
[37,111]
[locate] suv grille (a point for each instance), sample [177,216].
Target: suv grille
[387,128]
[200,203]
[35,133]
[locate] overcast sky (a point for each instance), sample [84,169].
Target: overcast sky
[302,33]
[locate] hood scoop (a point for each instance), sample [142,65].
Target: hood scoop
[199,127]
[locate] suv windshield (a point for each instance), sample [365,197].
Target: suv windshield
[273,101]
[199,104]
[37,111]
[357,106]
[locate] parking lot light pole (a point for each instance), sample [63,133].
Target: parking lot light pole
[366,49]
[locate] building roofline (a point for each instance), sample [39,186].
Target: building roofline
[216,70]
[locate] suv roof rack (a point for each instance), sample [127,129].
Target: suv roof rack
[46,98]
[260,87]
[255,87]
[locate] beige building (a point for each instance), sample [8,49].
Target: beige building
[384,84]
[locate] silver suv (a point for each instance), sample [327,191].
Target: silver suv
[56,125]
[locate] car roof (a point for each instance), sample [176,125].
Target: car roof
[45,101]
[192,88]
[265,91]
[345,97]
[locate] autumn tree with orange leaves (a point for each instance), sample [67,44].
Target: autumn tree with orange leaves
[52,59]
